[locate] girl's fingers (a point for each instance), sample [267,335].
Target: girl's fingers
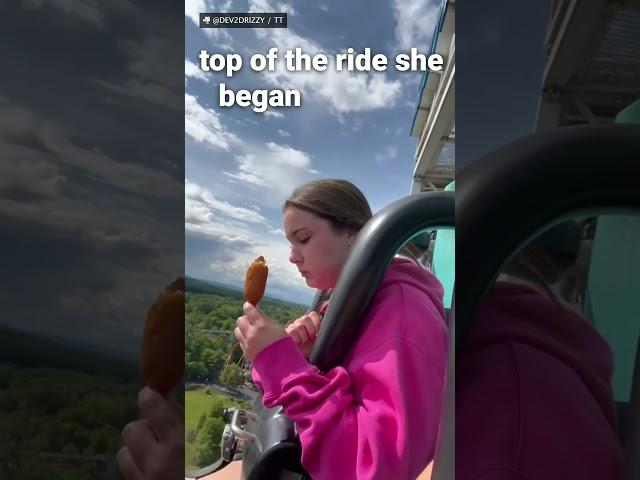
[243,323]
[139,441]
[301,330]
[316,319]
[161,417]
[305,328]
[310,327]
[240,337]
[297,337]
[127,465]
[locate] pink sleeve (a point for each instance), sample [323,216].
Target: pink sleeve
[377,421]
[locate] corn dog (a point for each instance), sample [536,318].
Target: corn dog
[162,355]
[256,280]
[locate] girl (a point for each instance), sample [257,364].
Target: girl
[533,379]
[377,415]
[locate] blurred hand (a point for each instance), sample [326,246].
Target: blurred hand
[304,331]
[154,445]
[256,331]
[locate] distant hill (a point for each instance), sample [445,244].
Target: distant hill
[36,350]
[196,285]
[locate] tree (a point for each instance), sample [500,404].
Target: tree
[103,440]
[200,424]
[208,441]
[216,409]
[213,360]
[195,371]
[231,376]
[206,454]
[40,443]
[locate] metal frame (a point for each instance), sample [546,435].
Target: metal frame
[507,197]
[434,120]
[374,248]
[593,62]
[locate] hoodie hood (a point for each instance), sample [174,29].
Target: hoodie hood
[519,313]
[405,271]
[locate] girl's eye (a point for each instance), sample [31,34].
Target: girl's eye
[304,240]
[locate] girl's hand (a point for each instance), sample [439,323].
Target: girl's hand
[154,445]
[255,331]
[304,331]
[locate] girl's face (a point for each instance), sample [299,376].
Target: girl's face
[317,250]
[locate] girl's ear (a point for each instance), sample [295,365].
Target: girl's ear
[352,233]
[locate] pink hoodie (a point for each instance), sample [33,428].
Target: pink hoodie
[375,417]
[533,394]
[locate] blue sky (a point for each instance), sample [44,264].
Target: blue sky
[241,165]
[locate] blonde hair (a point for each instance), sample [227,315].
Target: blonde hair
[338,201]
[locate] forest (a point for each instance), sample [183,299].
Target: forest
[211,312]
[61,424]
[213,359]
[63,406]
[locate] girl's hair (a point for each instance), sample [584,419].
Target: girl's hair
[551,257]
[338,201]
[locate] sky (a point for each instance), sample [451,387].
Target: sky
[240,165]
[500,59]
[93,136]
[91,166]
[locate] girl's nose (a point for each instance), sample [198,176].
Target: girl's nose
[294,257]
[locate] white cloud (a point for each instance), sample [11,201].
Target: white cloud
[200,204]
[204,125]
[227,224]
[193,8]
[83,10]
[33,177]
[416,20]
[342,91]
[17,121]
[191,70]
[236,238]
[272,173]
[244,171]
[149,79]
[288,156]
[283,277]
[269,6]
[271,113]
[283,133]
[389,153]
[284,7]
[220,37]
[63,187]
[229,264]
